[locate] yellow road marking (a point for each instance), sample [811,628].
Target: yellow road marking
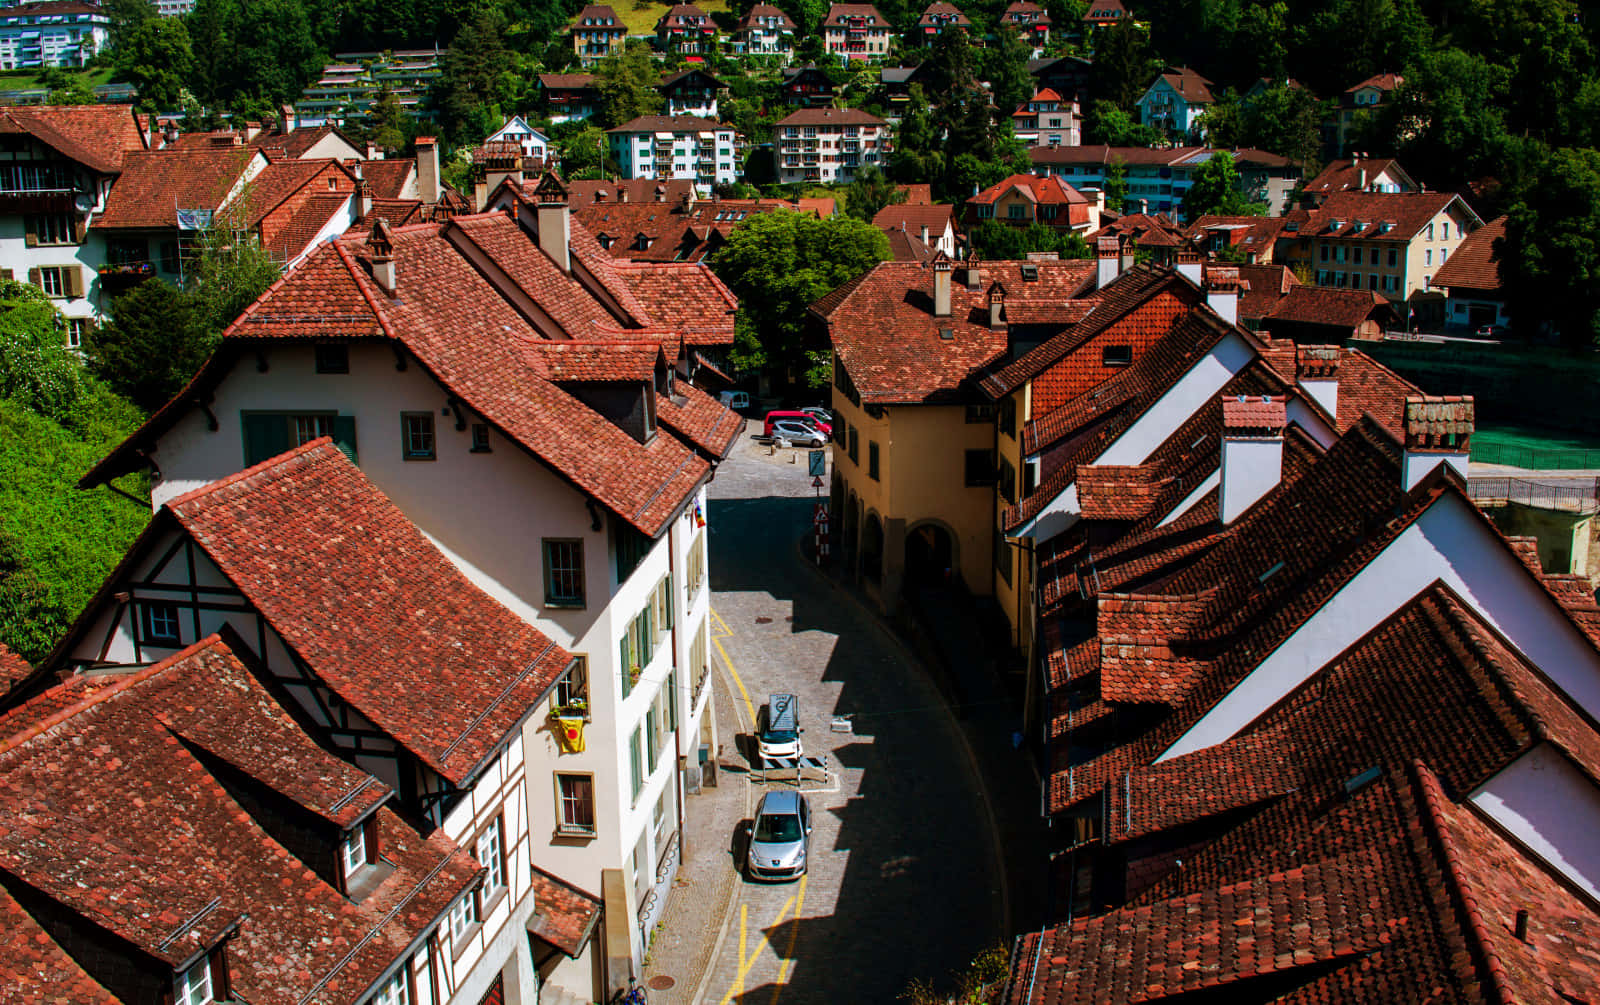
[794,933]
[724,632]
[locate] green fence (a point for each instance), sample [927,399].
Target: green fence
[1538,458]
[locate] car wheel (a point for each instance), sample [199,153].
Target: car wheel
[816,443]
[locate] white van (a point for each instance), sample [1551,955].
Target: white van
[778,727]
[736,400]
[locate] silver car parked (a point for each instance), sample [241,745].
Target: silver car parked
[780,840]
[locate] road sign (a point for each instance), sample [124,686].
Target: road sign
[819,515]
[817,463]
[816,482]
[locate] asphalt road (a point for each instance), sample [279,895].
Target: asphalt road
[904,882]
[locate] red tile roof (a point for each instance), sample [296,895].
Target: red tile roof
[1020,10]
[1319,305]
[1473,265]
[1382,216]
[377,612]
[699,420]
[888,339]
[35,970]
[685,298]
[289,241]
[387,179]
[96,136]
[831,117]
[1254,412]
[1382,81]
[1194,88]
[940,9]
[155,184]
[589,361]
[581,192]
[1149,231]
[563,915]
[669,124]
[1265,285]
[13,670]
[1046,191]
[1355,175]
[297,143]
[758,14]
[104,813]
[912,217]
[838,11]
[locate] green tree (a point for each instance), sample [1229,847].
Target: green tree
[126,15]
[778,264]
[1448,119]
[151,347]
[231,270]
[584,152]
[1116,185]
[388,128]
[156,58]
[65,88]
[870,192]
[994,240]
[471,81]
[1285,120]
[918,154]
[1217,189]
[1107,123]
[1006,69]
[1122,66]
[1550,255]
[35,368]
[627,85]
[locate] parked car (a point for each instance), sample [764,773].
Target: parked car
[1492,331]
[736,400]
[796,432]
[780,838]
[822,415]
[799,416]
[778,727]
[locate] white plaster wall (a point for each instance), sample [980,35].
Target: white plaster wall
[338,224]
[1415,465]
[86,257]
[1449,543]
[1203,382]
[1552,809]
[1324,393]
[1251,467]
[1200,492]
[1303,415]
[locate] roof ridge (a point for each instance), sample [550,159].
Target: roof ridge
[260,467]
[40,727]
[1455,870]
[378,313]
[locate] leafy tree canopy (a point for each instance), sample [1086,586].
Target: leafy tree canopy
[155,57]
[1216,189]
[1550,256]
[997,241]
[627,85]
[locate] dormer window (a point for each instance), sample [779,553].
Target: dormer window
[193,986]
[354,852]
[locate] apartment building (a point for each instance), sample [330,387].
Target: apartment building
[827,145]
[1158,180]
[856,31]
[686,29]
[938,18]
[1030,21]
[765,30]
[676,147]
[550,450]
[52,33]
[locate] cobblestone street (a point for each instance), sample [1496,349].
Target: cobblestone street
[903,835]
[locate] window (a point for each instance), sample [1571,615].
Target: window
[76,329]
[1116,355]
[1324,252]
[1008,417]
[463,916]
[636,762]
[492,857]
[1007,479]
[980,467]
[563,572]
[1430,231]
[872,460]
[268,434]
[59,281]
[1444,255]
[982,412]
[632,547]
[354,851]
[572,690]
[480,438]
[160,623]
[1394,257]
[1444,232]
[575,815]
[1002,555]
[652,736]
[194,985]
[855,442]
[1355,255]
[1372,281]
[52,228]
[333,358]
[697,564]
[416,436]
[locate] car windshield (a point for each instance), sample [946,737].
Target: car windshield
[776,827]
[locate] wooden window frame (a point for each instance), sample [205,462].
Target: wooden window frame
[565,826]
[553,597]
[147,624]
[410,452]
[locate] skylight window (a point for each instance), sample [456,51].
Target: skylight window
[1270,573]
[1030,272]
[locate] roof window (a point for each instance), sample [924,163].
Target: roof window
[1030,272]
[1355,783]
[947,333]
[1270,573]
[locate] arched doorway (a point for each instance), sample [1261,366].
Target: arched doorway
[850,525]
[930,555]
[872,548]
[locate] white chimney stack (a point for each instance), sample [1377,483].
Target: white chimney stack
[941,286]
[1317,371]
[1438,430]
[1189,263]
[1108,251]
[428,188]
[1222,288]
[997,303]
[555,221]
[381,244]
[1252,451]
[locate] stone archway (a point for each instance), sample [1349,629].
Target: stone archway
[931,555]
[872,547]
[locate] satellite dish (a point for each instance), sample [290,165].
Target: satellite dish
[84,202]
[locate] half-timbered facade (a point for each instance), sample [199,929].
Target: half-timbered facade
[508,385]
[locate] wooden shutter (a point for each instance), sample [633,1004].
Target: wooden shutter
[265,435]
[72,280]
[344,435]
[30,237]
[80,228]
[33,278]
[8,275]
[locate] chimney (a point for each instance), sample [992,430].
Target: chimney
[1317,370]
[555,221]
[428,170]
[1129,245]
[997,303]
[974,278]
[381,243]
[169,135]
[252,129]
[924,234]
[1107,249]
[941,286]
[1438,430]
[1189,264]
[1363,179]
[1252,451]
[1222,288]
[374,152]
[286,119]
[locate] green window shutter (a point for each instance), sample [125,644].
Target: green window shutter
[266,435]
[672,613]
[627,666]
[344,436]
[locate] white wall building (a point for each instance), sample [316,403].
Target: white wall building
[516,130]
[52,33]
[676,146]
[828,144]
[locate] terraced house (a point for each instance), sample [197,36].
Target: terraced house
[517,395]
[856,31]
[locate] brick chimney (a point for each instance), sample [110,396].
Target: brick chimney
[1317,371]
[1438,430]
[428,188]
[1108,251]
[1190,265]
[1222,288]
[997,303]
[555,221]
[941,286]
[381,244]
[1252,451]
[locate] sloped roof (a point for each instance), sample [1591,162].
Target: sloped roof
[758,14]
[379,614]
[830,117]
[699,420]
[106,815]
[566,81]
[1473,265]
[1347,175]
[1195,89]
[1382,216]
[668,124]
[155,184]
[912,217]
[296,143]
[1382,81]
[1046,191]
[96,136]
[13,670]
[582,192]
[1318,305]
[37,971]
[940,9]
[563,915]
[888,339]
[851,10]
[387,178]
[908,247]
[1021,9]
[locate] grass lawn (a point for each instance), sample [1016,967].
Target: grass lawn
[22,80]
[641,16]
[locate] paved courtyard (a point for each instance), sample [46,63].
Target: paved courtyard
[904,882]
